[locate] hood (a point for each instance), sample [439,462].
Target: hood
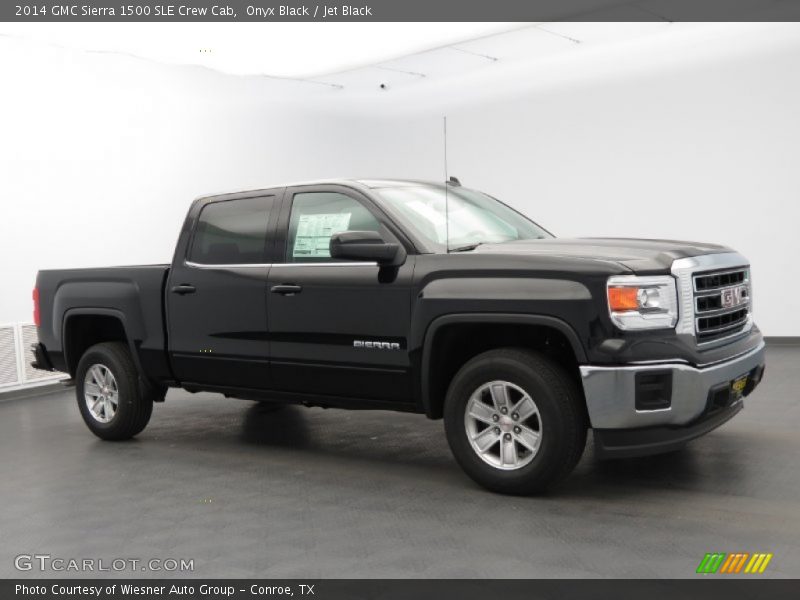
[636,254]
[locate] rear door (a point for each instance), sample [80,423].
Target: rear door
[216,293]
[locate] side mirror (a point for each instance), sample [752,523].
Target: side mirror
[366,246]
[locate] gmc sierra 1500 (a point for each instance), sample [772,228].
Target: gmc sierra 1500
[420,297]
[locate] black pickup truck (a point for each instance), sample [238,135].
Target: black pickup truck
[421,297]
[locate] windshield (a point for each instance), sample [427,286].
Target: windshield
[472,218]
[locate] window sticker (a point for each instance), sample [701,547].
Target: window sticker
[314,234]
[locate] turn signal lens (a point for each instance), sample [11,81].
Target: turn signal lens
[623,298]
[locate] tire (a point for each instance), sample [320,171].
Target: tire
[520,452]
[131,413]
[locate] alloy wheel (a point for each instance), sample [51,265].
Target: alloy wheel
[101,393]
[503,425]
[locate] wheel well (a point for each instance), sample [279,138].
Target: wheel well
[455,344]
[84,331]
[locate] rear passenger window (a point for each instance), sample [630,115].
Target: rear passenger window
[232,232]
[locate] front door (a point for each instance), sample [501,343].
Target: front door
[337,328]
[216,293]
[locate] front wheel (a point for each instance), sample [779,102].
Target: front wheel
[514,421]
[109,394]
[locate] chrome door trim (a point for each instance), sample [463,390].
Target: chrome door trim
[195,265]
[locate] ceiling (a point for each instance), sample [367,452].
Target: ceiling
[353,56]
[532,41]
[289,50]
[365,57]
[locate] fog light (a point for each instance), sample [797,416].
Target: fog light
[654,390]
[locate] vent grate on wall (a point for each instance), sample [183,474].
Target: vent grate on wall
[9,370]
[16,357]
[29,338]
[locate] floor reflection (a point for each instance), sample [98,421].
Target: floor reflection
[271,424]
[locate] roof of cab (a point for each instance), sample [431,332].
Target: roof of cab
[366,183]
[369,183]
[388,183]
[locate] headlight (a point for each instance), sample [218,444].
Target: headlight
[649,302]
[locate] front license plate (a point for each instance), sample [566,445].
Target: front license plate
[738,385]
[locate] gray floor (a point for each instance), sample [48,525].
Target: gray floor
[315,493]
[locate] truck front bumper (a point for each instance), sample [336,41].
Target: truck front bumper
[650,408]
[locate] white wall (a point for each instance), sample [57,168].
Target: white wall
[101,155]
[693,134]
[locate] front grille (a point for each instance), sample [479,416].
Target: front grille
[718,280]
[721,303]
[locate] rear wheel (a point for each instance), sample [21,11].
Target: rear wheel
[514,421]
[109,392]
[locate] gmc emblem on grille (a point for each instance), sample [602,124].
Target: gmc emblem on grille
[733,296]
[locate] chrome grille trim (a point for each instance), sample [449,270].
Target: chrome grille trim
[715,273]
[720,311]
[721,328]
[710,323]
[685,270]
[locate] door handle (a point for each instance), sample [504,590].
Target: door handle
[183,288]
[286,289]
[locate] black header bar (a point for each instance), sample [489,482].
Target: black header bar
[400,10]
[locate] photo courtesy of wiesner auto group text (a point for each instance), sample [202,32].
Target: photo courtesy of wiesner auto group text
[391,300]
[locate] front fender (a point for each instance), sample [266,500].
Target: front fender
[485,318]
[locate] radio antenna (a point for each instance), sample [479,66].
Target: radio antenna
[446,200]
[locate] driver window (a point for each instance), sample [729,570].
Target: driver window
[316,216]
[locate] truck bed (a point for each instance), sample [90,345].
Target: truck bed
[133,295]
